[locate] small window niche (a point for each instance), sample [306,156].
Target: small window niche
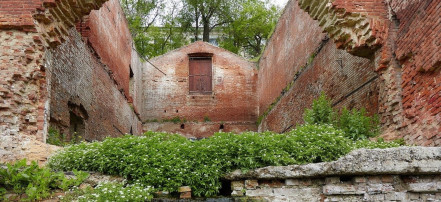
[77,127]
[77,122]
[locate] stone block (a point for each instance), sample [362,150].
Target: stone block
[379,188]
[396,196]
[375,197]
[237,193]
[185,195]
[271,183]
[342,189]
[259,192]
[251,184]
[360,179]
[237,185]
[425,187]
[387,178]
[286,191]
[413,196]
[292,182]
[184,189]
[428,197]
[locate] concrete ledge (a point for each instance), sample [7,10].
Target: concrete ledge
[399,161]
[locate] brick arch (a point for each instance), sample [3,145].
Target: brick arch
[57,16]
[356,26]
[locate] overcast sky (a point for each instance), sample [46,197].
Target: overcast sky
[280,3]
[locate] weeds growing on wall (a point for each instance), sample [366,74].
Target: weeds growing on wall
[167,162]
[355,124]
[34,181]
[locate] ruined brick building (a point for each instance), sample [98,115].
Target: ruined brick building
[71,65]
[211,88]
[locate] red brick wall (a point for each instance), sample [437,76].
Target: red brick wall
[22,84]
[418,48]
[79,78]
[17,14]
[351,84]
[27,29]
[234,85]
[408,64]
[108,33]
[376,10]
[294,40]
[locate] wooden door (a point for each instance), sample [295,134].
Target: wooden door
[200,75]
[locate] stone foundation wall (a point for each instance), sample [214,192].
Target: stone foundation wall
[398,174]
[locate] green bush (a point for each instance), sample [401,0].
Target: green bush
[356,124]
[111,192]
[169,161]
[321,111]
[36,182]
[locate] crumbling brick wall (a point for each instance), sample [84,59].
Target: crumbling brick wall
[401,39]
[81,84]
[31,31]
[349,81]
[22,84]
[89,77]
[418,50]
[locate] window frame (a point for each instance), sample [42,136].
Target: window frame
[200,56]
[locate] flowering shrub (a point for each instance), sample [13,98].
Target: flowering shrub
[169,161]
[111,192]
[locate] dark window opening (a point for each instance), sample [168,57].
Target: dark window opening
[77,127]
[177,111]
[221,127]
[182,126]
[165,111]
[200,74]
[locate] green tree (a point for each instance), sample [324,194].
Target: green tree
[154,26]
[141,15]
[206,13]
[170,35]
[251,28]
